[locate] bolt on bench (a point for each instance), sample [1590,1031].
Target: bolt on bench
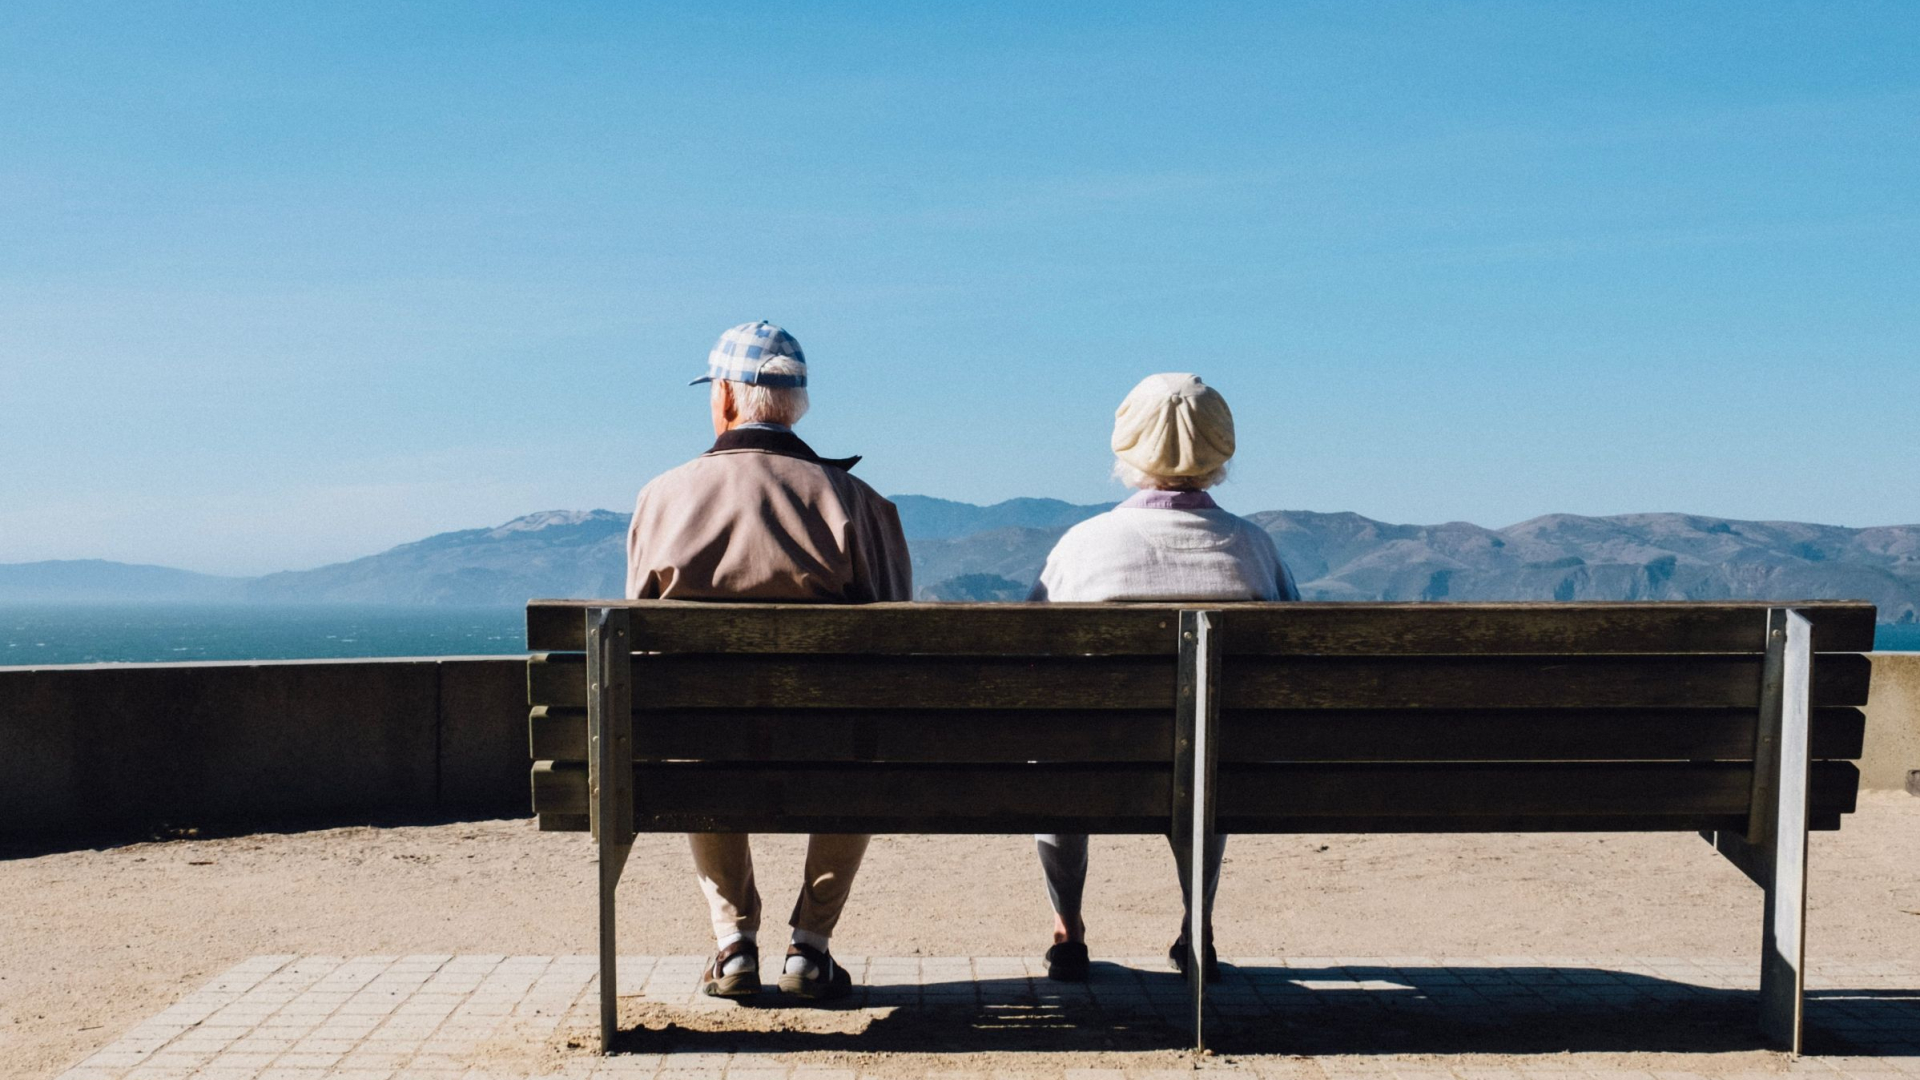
[1734,720]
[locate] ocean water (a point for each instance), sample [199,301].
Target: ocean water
[32,635]
[1902,638]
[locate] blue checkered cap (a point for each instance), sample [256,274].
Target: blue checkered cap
[742,351]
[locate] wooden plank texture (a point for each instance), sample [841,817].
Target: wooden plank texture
[1411,629]
[959,735]
[1252,799]
[979,798]
[560,787]
[930,735]
[948,629]
[856,682]
[1147,629]
[1416,735]
[1706,681]
[795,735]
[1823,822]
[1250,793]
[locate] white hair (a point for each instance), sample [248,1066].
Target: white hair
[770,404]
[1145,481]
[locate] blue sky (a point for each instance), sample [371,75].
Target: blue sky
[285,284]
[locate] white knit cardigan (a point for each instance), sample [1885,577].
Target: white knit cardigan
[1154,548]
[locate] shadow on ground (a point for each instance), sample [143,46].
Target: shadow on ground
[1340,1010]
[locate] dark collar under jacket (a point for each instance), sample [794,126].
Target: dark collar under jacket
[784,443]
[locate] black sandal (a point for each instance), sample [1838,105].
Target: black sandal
[828,982]
[1067,962]
[1181,950]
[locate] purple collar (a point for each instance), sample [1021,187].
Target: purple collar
[1169,500]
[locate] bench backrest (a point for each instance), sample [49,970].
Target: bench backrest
[1001,718]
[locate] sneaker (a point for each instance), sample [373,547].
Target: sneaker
[1181,950]
[820,979]
[1067,962]
[744,982]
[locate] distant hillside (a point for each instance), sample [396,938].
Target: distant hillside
[926,518]
[97,581]
[558,553]
[1625,557]
[966,552]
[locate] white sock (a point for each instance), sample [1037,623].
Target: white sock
[800,965]
[745,960]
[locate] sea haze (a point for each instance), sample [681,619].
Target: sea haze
[38,634]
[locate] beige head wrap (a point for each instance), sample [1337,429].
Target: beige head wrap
[1173,425]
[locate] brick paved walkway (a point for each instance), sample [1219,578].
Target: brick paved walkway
[1412,1018]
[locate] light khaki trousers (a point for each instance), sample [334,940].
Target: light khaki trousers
[724,862]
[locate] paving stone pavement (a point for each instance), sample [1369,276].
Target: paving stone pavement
[1321,1018]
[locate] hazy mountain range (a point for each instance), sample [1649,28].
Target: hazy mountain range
[962,551]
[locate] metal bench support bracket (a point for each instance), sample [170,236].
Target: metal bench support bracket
[610,782]
[1774,850]
[1195,761]
[1784,942]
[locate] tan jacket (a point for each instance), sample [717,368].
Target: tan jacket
[761,517]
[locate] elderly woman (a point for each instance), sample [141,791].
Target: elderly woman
[1172,438]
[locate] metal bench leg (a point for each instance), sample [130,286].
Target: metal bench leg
[1783,947]
[1195,763]
[1773,853]
[610,783]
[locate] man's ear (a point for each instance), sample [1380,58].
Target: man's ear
[729,404]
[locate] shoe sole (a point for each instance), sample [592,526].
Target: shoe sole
[802,987]
[1180,969]
[1066,972]
[733,986]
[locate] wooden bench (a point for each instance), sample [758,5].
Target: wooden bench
[1734,720]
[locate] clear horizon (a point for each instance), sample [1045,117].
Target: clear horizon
[284,287]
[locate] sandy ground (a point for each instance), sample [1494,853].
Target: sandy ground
[92,941]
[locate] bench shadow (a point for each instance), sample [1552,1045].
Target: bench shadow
[1312,1011]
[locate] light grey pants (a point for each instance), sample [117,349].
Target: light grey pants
[1063,857]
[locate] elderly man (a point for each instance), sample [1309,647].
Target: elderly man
[760,516]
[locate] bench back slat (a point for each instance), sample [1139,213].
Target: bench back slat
[987,736]
[1329,629]
[1288,682]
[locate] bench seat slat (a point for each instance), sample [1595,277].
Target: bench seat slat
[972,798]
[1615,823]
[1146,629]
[1122,798]
[1250,792]
[928,735]
[871,735]
[1414,735]
[856,682]
[1565,823]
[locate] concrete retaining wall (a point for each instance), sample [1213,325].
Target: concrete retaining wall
[1893,722]
[102,747]
[94,748]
